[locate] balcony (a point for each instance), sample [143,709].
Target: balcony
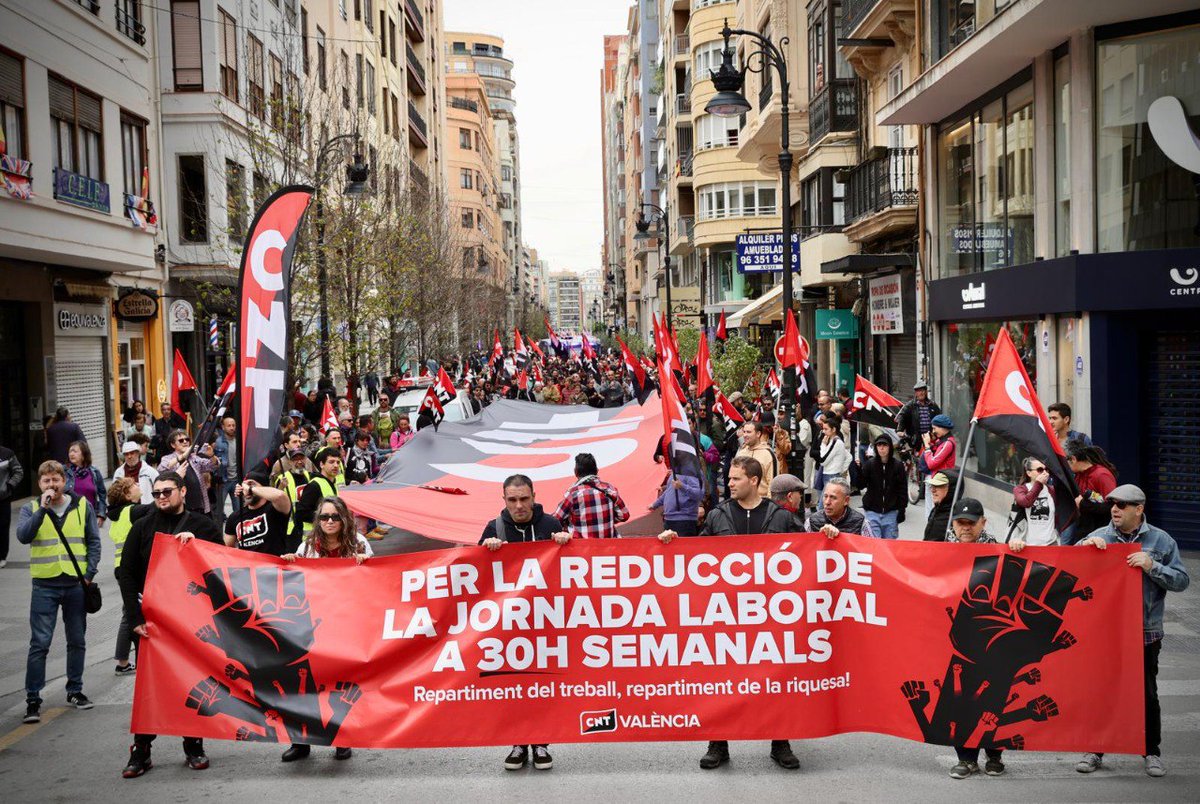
[766,91]
[416,73]
[834,109]
[686,226]
[683,45]
[418,132]
[683,103]
[683,165]
[414,21]
[418,177]
[881,194]
[874,25]
[463,103]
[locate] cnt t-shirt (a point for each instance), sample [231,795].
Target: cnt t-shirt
[261,530]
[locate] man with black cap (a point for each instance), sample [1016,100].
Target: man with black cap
[885,489]
[1162,571]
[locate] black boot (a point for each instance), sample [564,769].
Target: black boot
[297,751]
[781,752]
[716,756]
[342,753]
[139,761]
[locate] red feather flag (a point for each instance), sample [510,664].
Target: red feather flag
[641,384]
[722,335]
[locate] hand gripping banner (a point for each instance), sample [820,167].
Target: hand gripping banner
[264,316]
[618,640]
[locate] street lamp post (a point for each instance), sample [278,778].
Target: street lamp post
[731,102]
[643,233]
[357,174]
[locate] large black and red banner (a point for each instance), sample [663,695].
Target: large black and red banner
[758,637]
[264,319]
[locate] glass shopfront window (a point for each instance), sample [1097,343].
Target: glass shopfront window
[1143,199]
[1062,156]
[986,187]
[966,348]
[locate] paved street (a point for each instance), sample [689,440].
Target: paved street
[69,749]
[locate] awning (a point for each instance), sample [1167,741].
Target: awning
[764,308]
[727,307]
[866,263]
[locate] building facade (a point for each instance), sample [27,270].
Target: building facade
[475,165]
[566,302]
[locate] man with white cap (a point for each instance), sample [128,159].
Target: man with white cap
[137,470]
[1162,571]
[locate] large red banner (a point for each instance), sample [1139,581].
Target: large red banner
[761,637]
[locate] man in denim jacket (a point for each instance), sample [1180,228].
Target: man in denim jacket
[1162,572]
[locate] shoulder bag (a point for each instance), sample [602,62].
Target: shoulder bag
[92,599]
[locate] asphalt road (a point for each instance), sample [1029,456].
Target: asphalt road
[74,755]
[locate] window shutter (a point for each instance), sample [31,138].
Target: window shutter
[12,88]
[185,17]
[62,99]
[89,110]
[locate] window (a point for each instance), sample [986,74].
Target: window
[262,189]
[235,201]
[129,20]
[342,8]
[133,152]
[295,115]
[955,21]
[464,138]
[387,112]
[383,42]
[985,185]
[1144,200]
[709,56]
[713,131]
[465,179]
[344,77]
[185,45]
[822,203]
[736,200]
[229,59]
[358,77]
[304,39]
[825,59]
[370,89]
[255,78]
[321,65]
[468,219]
[12,103]
[506,173]
[1062,156]
[75,127]
[278,108]
[392,40]
[396,118]
[193,200]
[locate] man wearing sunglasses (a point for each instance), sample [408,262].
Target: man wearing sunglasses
[1162,571]
[194,467]
[170,518]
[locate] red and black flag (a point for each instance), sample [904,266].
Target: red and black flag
[642,385]
[679,443]
[704,372]
[216,412]
[328,419]
[772,386]
[444,388]
[433,406]
[588,357]
[555,343]
[722,334]
[520,353]
[497,353]
[1008,407]
[728,413]
[181,380]
[873,405]
[264,321]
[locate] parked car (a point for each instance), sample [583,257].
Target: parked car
[408,402]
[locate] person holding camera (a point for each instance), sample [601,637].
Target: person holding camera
[263,521]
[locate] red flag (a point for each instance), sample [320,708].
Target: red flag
[181,380]
[328,420]
[873,405]
[555,343]
[658,338]
[641,385]
[444,387]
[1008,407]
[791,353]
[728,413]
[519,350]
[704,375]
[497,350]
[772,385]
[537,372]
[679,444]
[430,403]
[533,345]
[722,335]
[588,352]
[229,384]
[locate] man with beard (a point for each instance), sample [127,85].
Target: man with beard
[171,519]
[263,523]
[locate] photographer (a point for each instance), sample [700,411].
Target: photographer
[263,521]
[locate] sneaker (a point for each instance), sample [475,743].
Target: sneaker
[1090,763]
[33,712]
[517,758]
[781,752]
[139,761]
[716,756]
[125,670]
[3,563]
[541,758]
[197,761]
[79,701]
[993,767]
[964,769]
[1154,766]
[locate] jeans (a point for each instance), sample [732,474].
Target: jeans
[5,527]
[1153,710]
[972,754]
[884,525]
[43,614]
[225,489]
[684,527]
[125,636]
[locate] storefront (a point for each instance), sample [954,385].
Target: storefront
[137,337]
[81,373]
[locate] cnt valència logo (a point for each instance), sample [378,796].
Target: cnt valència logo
[606,720]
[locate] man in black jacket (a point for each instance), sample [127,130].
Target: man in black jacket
[940,486]
[835,514]
[523,520]
[746,512]
[914,418]
[169,518]
[885,497]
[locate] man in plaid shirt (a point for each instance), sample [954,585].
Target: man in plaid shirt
[591,508]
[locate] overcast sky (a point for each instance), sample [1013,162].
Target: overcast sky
[557,49]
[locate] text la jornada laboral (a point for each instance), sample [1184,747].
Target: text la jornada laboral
[712,618]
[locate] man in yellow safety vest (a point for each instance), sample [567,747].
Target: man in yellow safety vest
[326,484]
[57,521]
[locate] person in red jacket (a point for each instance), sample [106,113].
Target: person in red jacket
[940,450]
[1095,476]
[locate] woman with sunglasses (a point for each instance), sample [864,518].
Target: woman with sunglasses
[1033,507]
[333,537]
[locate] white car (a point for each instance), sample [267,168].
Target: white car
[409,402]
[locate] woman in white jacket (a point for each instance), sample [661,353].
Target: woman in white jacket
[834,455]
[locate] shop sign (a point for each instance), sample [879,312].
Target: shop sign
[181,316]
[837,325]
[982,237]
[763,252]
[82,191]
[136,305]
[886,306]
[80,320]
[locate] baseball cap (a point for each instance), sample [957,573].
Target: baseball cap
[296,453]
[782,484]
[884,438]
[1127,493]
[735,395]
[130,446]
[939,479]
[967,508]
[295,414]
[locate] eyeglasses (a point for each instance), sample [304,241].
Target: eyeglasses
[160,493]
[183,441]
[329,517]
[1037,469]
[1120,505]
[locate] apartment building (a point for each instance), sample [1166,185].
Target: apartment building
[612,139]
[483,55]
[591,288]
[1058,199]
[566,302]
[81,284]
[474,163]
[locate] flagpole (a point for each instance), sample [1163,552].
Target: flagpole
[961,470]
